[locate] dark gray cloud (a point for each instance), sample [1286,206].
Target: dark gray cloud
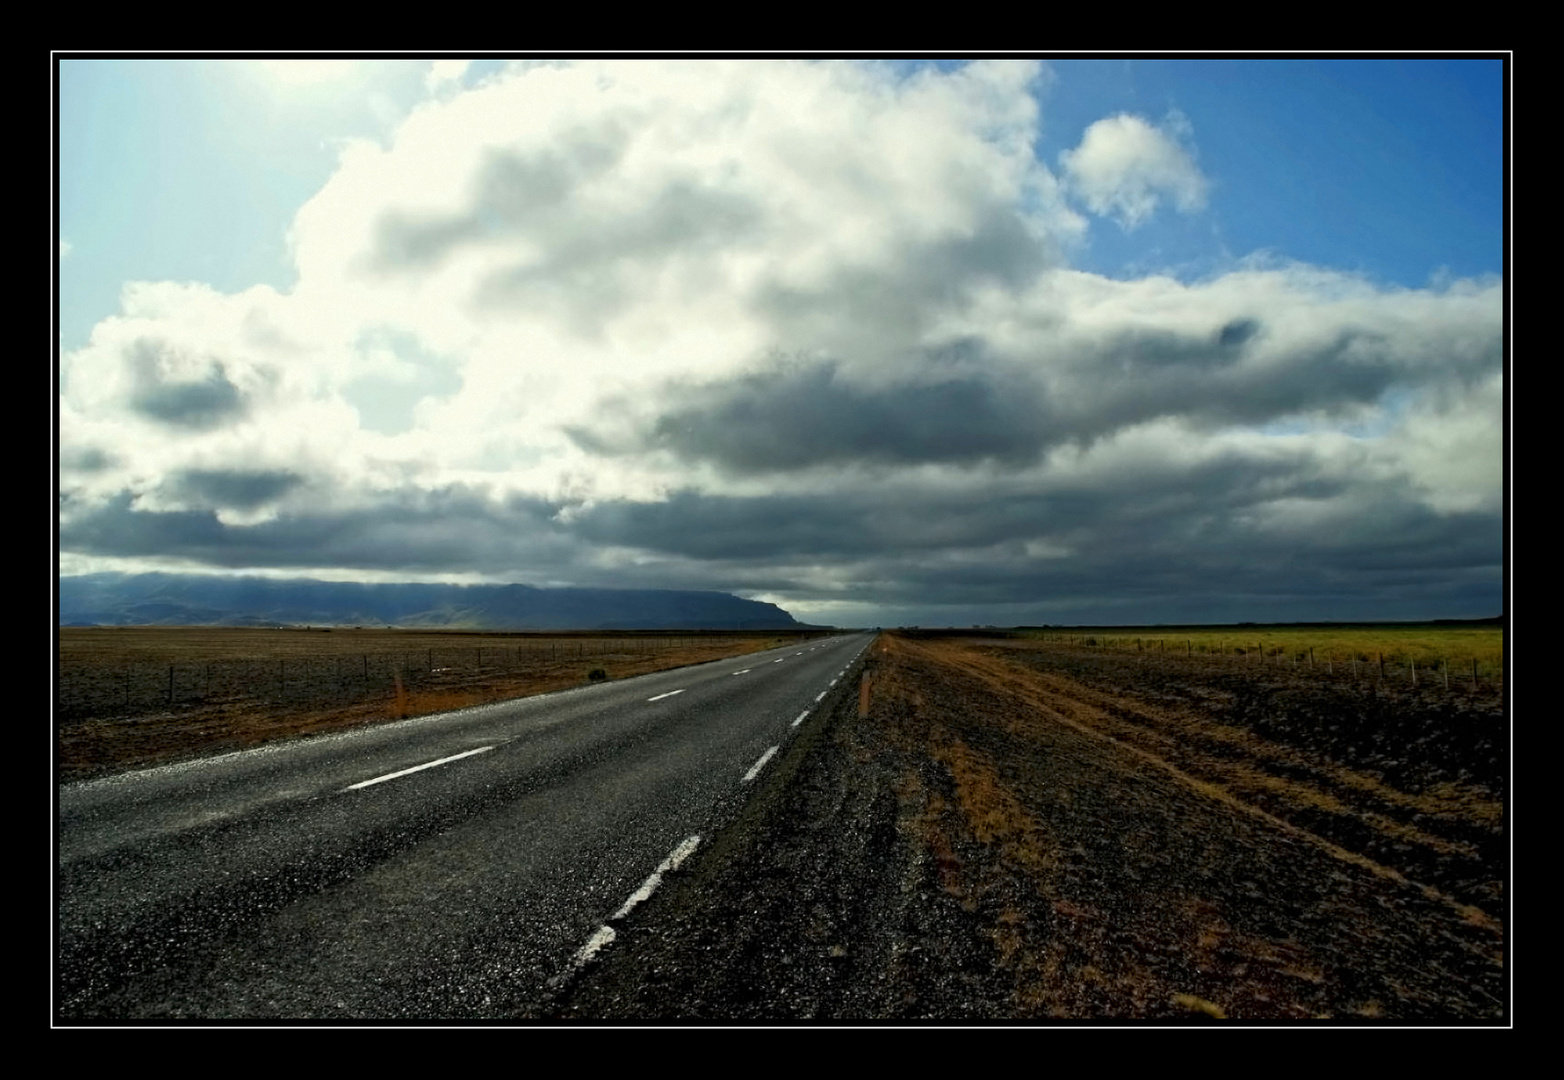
[196,404]
[1169,545]
[86,459]
[451,530]
[598,262]
[1162,544]
[901,291]
[512,193]
[796,415]
[1147,510]
[803,415]
[1237,332]
[240,489]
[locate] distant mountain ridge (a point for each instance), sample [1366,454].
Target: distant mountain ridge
[202,600]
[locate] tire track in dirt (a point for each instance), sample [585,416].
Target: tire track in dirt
[1353,814]
[1166,893]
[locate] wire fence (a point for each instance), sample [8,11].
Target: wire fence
[139,687]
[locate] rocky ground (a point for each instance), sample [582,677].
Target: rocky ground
[1007,832]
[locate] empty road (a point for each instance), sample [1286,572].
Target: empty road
[452,866]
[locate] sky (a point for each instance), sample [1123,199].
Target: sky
[1073,340]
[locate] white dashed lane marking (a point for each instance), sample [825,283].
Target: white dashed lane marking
[415,768]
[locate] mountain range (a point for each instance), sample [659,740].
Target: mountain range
[210,600]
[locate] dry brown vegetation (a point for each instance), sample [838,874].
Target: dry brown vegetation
[237,688]
[1145,838]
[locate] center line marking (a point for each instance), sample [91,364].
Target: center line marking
[416,768]
[670,693]
[778,661]
[800,719]
[754,770]
[744,672]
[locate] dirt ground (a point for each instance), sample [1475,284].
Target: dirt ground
[1016,832]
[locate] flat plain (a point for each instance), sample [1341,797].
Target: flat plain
[134,697]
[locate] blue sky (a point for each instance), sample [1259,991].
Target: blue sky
[558,303]
[1393,169]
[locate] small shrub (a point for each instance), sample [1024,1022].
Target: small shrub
[597,674]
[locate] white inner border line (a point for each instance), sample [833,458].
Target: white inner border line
[754,770]
[415,768]
[685,849]
[605,934]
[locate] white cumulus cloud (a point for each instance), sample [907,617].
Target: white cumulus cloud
[1125,168]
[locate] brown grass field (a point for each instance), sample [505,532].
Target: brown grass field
[134,697]
[1150,835]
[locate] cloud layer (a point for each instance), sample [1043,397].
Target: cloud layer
[804,331]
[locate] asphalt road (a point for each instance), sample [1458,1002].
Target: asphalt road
[454,866]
